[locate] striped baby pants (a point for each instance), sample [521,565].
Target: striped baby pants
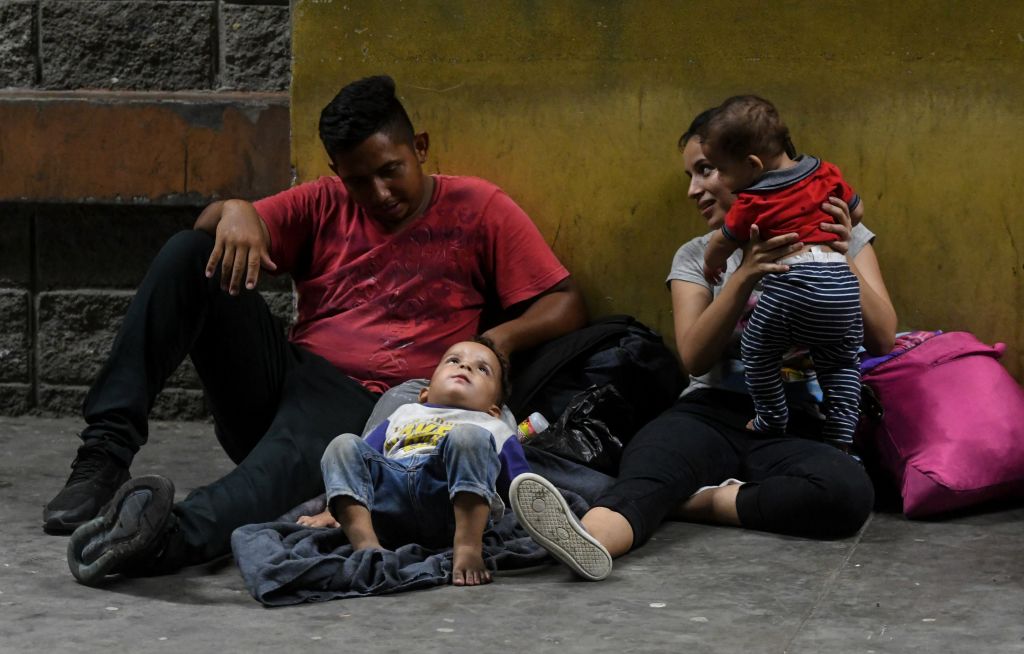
[815,304]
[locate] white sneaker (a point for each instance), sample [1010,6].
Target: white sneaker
[544,513]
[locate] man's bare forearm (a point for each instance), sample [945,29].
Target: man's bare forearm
[556,312]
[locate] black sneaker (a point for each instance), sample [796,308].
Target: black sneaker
[132,531]
[95,477]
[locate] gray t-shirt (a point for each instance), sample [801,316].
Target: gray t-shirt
[801,386]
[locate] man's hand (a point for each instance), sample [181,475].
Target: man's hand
[501,344]
[241,247]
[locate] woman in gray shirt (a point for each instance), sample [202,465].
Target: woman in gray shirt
[697,461]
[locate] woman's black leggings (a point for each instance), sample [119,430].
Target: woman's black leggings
[793,485]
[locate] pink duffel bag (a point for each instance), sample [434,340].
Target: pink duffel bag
[946,421]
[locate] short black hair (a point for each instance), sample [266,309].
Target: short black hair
[744,125]
[695,127]
[360,110]
[503,363]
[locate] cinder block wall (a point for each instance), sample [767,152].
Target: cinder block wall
[119,121]
[145,45]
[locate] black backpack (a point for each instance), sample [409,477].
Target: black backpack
[616,350]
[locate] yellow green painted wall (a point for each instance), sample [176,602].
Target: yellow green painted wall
[574,108]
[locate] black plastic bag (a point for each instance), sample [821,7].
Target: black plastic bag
[617,350]
[585,432]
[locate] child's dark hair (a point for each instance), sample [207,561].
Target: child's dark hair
[744,125]
[362,109]
[502,363]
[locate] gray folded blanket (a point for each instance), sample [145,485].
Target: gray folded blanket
[283,563]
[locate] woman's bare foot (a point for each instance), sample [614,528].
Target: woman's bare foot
[714,504]
[324,519]
[468,568]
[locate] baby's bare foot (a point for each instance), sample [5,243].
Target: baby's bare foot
[468,568]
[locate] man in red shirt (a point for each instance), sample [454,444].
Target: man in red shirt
[391,266]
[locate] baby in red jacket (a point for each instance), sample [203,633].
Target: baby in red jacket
[816,302]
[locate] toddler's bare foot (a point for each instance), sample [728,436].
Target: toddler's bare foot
[324,519]
[750,425]
[468,568]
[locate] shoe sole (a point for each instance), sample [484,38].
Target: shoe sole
[544,513]
[138,528]
[57,527]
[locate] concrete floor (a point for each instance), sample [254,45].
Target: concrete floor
[951,586]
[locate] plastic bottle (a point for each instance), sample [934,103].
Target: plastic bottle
[534,424]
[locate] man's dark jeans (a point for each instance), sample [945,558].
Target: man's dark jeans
[276,406]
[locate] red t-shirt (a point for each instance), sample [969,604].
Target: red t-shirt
[384,307]
[781,208]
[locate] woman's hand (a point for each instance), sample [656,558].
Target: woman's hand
[842,227]
[762,257]
[704,322]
